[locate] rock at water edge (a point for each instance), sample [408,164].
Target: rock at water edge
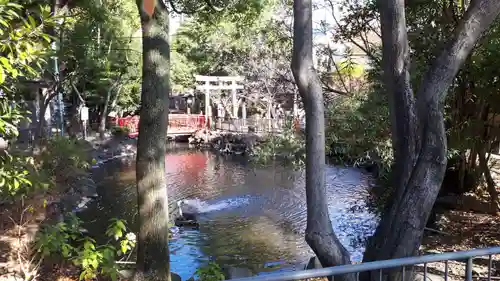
[429,277]
[313,263]
[129,273]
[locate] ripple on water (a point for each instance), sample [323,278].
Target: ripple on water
[253,217]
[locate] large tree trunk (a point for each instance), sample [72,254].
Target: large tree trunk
[417,126]
[319,232]
[153,261]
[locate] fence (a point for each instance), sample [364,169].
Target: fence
[187,123]
[396,264]
[261,125]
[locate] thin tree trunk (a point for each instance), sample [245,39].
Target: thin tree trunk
[153,259]
[418,124]
[45,102]
[490,183]
[76,125]
[483,161]
[104,113]
[319,232]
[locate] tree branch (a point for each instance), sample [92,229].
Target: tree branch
[208,3]
[440,75]
[362,48]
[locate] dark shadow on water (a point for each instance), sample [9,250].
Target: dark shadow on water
[256,218]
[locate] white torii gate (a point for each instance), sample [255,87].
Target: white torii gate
[220,83]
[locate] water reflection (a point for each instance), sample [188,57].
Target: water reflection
[257,216]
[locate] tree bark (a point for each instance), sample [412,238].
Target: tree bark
[417,126]
[319,232]
[153,259]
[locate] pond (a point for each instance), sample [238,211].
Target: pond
[256,216]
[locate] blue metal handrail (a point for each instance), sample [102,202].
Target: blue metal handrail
[379,265]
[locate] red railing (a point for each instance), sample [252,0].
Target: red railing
[177,123]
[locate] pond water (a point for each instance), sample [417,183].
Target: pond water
[256,217]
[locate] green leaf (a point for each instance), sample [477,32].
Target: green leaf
[16,184]
[83,275]
[2,75]
[32,21]
[95,263]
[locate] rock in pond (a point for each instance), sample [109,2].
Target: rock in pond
[236,272]
[129,273]
[419,276]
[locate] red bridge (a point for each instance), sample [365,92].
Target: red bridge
[178,124]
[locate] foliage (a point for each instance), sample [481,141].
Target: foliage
[23,47]
[210,272]
[237,43]
[62,152]
[357,131]
[102,55]
[65,240]
[16,175]
[119,131]
[288,146]
[22,41]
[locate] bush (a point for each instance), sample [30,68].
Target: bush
[21,175]
[288,146]
[120,131]
[60,153]
[210,272]
[65,241]
[358,131]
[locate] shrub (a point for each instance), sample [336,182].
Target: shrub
[61,152]
[358,131]
[120,131]
[210,272]
[288,146]
[65,241]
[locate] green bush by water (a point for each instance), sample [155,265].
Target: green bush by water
[210,272]
[65,241]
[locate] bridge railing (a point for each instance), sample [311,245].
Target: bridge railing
[190,121]
[176,123]
[401,268]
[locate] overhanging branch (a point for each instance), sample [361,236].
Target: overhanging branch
[207,3]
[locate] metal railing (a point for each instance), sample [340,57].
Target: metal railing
[261,125]
[402,264]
